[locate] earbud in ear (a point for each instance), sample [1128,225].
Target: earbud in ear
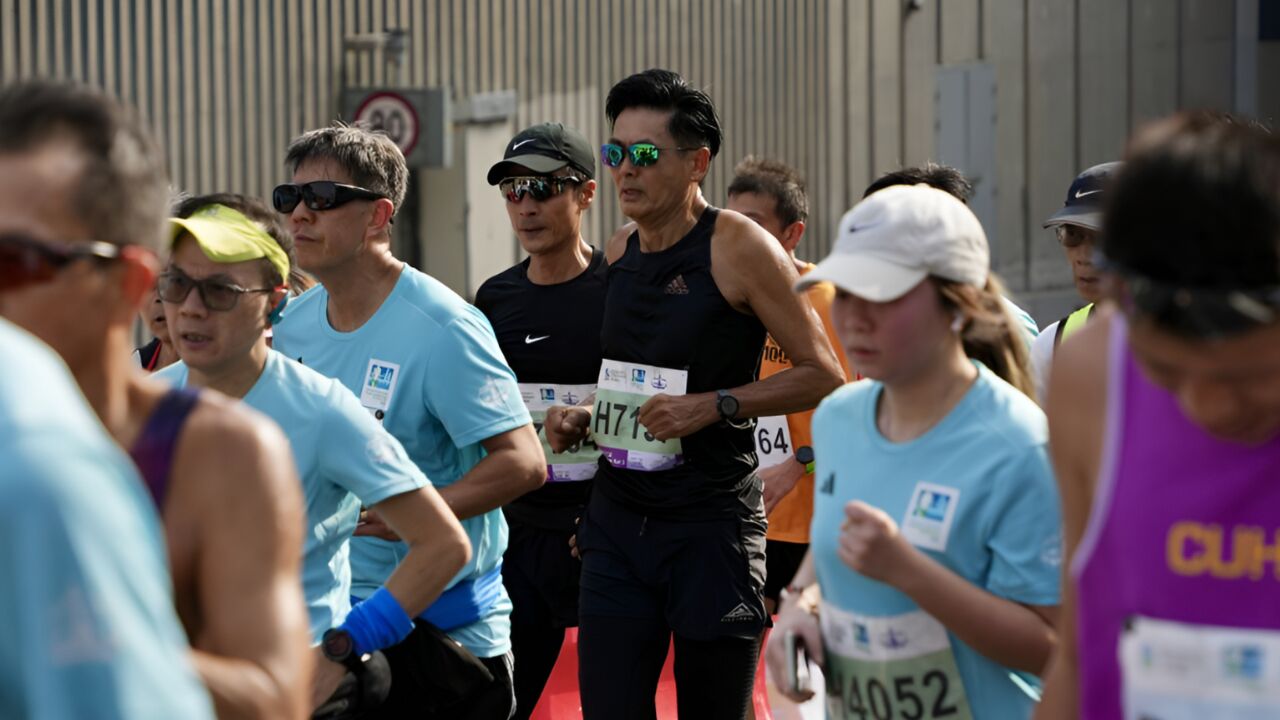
[273,318]
[957,325]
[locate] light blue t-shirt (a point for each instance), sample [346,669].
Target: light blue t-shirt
[86,603]
[1030,330]
[428,363]
[344,459]
[975,493]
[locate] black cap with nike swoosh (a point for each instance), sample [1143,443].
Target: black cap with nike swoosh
[543,149]
[1084,199]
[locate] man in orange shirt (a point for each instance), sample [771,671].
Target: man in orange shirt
[773,195]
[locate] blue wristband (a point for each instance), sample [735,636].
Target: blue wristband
[378,622]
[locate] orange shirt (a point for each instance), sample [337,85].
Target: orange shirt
[789,521]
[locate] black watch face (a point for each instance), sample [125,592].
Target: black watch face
[728,406]
[804,455]
[338,645]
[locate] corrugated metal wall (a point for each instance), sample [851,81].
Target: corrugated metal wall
[843,89]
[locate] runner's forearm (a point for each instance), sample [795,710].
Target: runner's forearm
[243,689]
[438,548]
[1002,630]
[512,468]
[795,389]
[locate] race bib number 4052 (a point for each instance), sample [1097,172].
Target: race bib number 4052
[622,388]
[890,668]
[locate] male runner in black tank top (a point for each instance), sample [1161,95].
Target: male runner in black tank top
[546,313]
[673,538]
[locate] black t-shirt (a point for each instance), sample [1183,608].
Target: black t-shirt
[664,309]
[548,334]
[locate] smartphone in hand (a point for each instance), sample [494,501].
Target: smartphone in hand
[797,663]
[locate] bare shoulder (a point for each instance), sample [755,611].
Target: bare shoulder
[737,233]
[749,264]
[1077,383]
[1077,408]
[229,446]
[618,242]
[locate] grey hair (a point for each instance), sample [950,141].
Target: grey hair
[371,158]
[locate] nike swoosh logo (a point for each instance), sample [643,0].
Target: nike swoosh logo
[522,142]
[531,340]
[1091,192]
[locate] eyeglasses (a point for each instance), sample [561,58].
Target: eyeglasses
[1073,236]
[540,188]
[318,195]
[174,286]
[24,260]
[642,154]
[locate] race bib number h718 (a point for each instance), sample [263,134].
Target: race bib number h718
[620,392]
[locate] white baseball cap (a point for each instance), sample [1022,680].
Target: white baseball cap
[895,238]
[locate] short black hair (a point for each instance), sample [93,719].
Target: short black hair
[777,180]
[257,211]
[123,192]
[1197,204]
[694,122]
[943,177]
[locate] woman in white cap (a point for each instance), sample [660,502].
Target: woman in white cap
[936,531]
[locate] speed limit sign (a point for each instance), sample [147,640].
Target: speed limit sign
[417,120]
[393,114]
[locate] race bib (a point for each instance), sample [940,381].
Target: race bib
[773,441]
[622,388]
[1176,671]
[890,668]
[568,466]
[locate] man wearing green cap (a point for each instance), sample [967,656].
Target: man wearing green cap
[236,258]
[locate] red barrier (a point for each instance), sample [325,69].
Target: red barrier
[560,701]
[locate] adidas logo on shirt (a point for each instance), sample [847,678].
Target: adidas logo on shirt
[828,486]
[677,286]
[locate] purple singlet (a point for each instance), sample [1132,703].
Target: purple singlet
[1178,572]
[152,452]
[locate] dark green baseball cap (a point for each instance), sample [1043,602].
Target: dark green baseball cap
[543,149]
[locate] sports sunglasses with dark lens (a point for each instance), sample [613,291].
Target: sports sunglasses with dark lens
[642,154]
[24,260]
[174,286]
[540,188]
[318,195]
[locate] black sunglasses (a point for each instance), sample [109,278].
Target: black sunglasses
[174,286]
[318,195]
[540,188]
[24,260]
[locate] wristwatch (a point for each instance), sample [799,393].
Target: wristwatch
[726,404]
[804,456]
[338,646]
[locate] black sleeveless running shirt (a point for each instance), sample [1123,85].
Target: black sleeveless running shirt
[664,309]
[548,334]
